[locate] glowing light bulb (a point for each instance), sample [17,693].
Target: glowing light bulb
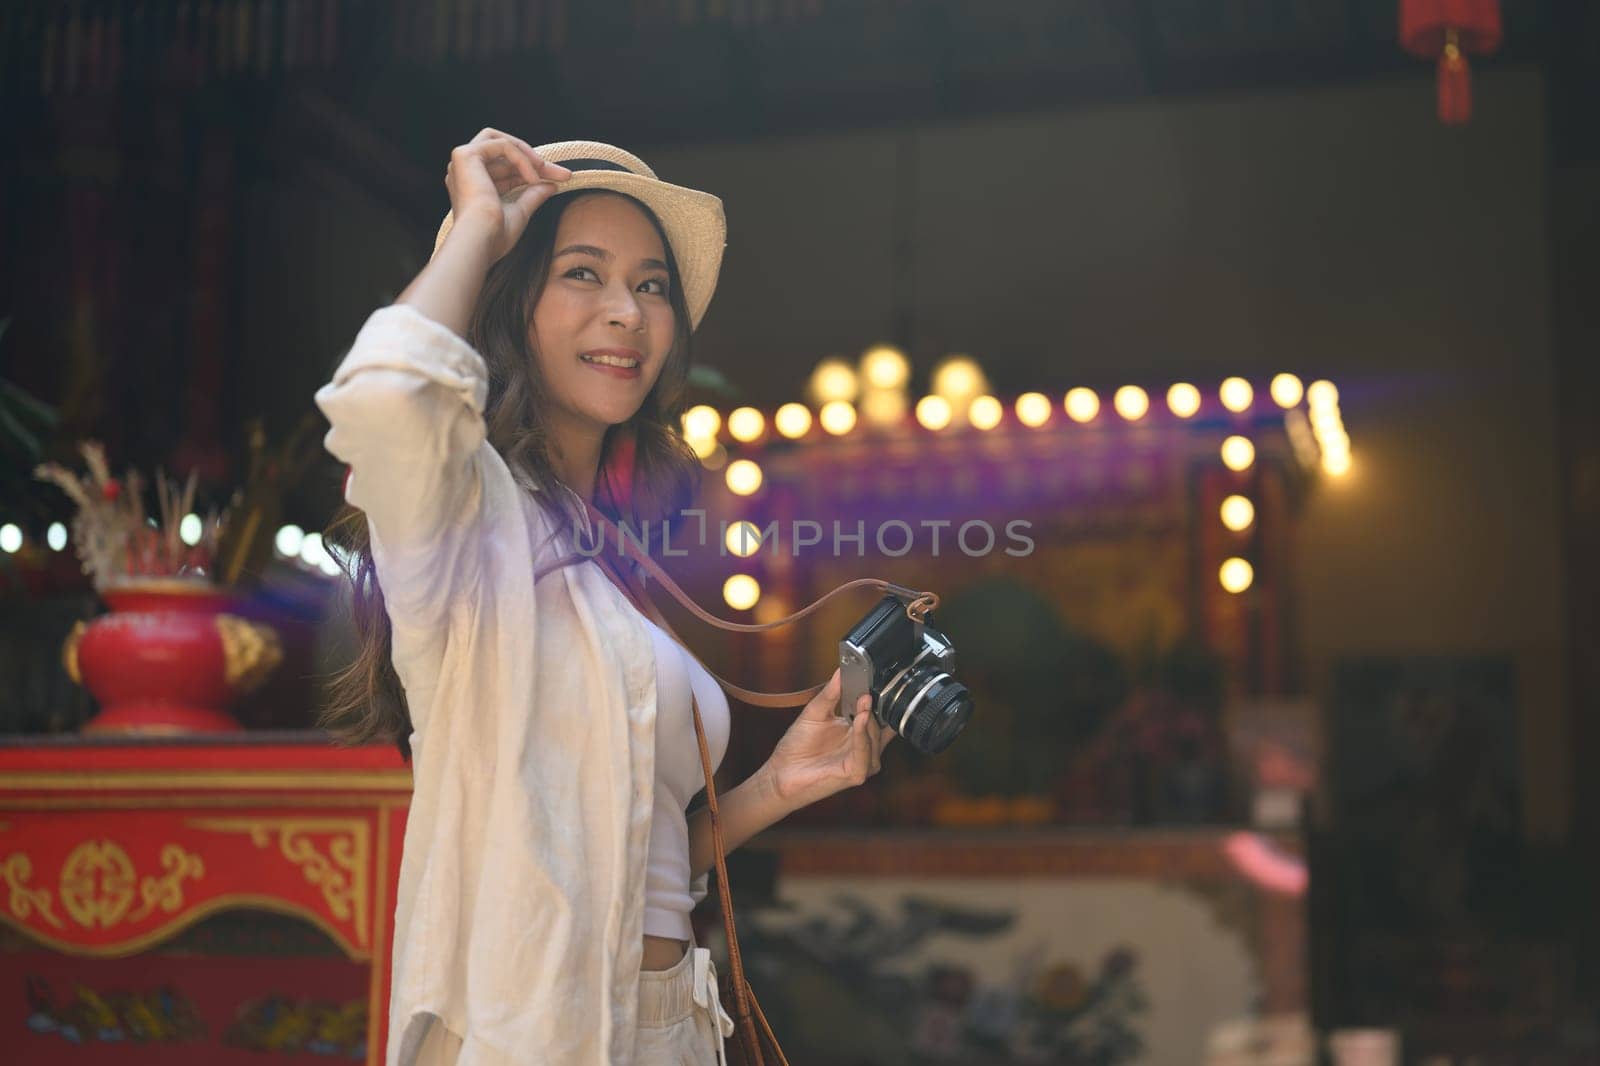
[793,420]
[10,538]
[1237,513]
[1286,390]
[741,591]
[885,367]
[746,424]
[837,417]
[743,539]
[56,536]
[1131,402]
[833,379]
[1327,420]
[743,477]
[1033,409]
[884,407]
[312,552]
[190,528]
[289,540]
[703,446]
[933,412]
[1082,405]
[1238,453]
[772,608]
[1183,400]
[701,421]
[1236,395]
[958,379]
[1320,394]
[985,412]
[1236,574]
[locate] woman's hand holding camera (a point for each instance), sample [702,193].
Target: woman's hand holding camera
[823,753]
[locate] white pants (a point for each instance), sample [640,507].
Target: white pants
[681,1020]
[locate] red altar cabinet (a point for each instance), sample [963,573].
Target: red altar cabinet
[188,901]
[197,901]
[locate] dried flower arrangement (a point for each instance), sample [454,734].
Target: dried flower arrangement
[114,537]
[256,507]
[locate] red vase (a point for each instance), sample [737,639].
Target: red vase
[168,657]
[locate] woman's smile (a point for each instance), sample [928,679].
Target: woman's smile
[619,362]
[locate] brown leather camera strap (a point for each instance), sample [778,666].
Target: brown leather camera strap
[610,551]
[746,1011]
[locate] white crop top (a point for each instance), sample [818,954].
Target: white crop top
[668,895]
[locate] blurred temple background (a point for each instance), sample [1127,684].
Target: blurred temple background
[1227,367]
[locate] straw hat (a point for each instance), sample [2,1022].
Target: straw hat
[693,220]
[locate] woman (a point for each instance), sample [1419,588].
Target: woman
[537,362]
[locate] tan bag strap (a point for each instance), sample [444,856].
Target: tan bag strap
[746,1011]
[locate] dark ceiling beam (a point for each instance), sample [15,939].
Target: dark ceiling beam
[656,72]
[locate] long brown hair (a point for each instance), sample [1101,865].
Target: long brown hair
[647,470]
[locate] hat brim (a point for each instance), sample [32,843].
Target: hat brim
[694,223]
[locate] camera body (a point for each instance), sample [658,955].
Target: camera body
[906,666]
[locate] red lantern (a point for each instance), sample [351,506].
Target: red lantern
[1448,30]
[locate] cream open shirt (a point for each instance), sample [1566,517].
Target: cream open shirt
[519,916]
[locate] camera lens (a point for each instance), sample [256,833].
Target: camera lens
[938,707]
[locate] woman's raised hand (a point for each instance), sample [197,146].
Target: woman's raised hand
[481,172]
[483,226]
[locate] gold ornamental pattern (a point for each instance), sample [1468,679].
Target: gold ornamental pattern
[98,885]
[23,899]
[69,651]
[250,651]
[166,892]
[341,873]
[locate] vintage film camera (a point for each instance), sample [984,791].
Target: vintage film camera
[905,665]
